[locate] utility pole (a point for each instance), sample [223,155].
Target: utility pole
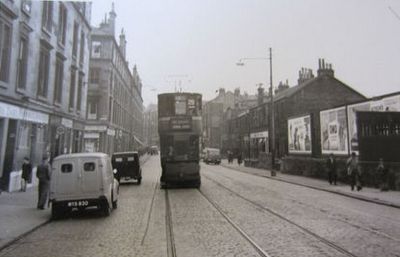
[272,115]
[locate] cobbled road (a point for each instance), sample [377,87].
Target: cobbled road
[282,219]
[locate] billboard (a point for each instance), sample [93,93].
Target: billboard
[334,131]
[299,135]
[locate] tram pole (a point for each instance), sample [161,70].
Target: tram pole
[271,91]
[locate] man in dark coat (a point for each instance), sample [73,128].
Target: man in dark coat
[332,169]
[43,174]
[26,174]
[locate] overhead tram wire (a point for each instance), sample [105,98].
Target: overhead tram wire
[394,13]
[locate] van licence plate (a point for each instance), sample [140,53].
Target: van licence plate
[78,203]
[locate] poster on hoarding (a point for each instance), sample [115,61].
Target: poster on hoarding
[299,130]
[334,131]
[352,123]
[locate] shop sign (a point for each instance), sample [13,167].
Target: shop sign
[95,128]
[262,134]
[110,132]
[19,113]
[60,130]
[91,135]
[66,122]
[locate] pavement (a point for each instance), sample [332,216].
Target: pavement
[374,195]
[19,216]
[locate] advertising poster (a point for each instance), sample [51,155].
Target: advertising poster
[352,123]
[299,137]
[334,131]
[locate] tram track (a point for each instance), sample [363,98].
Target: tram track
[259,250]
[149,214]
[274,213]
[171,250]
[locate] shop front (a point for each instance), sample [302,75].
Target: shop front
[22,134]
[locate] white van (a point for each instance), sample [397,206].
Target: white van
[83,180]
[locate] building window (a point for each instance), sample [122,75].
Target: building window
[82,48]
[79,92]
[24,136]
[72,88]
[96,49]
[22,62]
[94,75]
[92,108]
[58,80]
[75,40]
[26,6]
[47,15]
[62,24]
[5,50]
[43,79]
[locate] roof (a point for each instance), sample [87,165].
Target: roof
[293,90]
[123,153]
[81,155]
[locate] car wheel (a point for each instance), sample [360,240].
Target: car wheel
[106,209]
[114,203]
[139,181]
[56,211]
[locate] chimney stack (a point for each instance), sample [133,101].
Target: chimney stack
[305,75]
[325,69]
[282,87]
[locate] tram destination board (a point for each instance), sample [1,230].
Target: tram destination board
[180,123]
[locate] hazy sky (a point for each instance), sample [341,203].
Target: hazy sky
[195,44]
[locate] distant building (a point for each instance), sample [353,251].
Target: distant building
[44,62]
[151,137]
[115,104]
[213,115]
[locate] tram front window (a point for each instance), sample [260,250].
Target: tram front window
[180,147]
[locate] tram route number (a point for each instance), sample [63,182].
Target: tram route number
[78,204]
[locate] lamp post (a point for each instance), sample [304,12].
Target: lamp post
[272,119]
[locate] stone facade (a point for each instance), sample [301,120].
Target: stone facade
[115,104]
[43,82]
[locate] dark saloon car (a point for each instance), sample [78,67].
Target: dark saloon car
[127,166]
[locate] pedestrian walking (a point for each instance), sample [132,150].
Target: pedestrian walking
[239,159]
[332,169]
[26,174]
[383,172]
[43,174]
[230,157]
[354,172]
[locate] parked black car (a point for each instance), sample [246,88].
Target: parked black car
[127,166]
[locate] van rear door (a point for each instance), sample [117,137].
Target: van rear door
[67,179]
[91,170]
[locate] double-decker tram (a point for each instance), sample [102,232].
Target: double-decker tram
[179,128]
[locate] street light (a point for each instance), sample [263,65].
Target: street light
[241,63]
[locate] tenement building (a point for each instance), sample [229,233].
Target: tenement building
[115,104]
[44,64]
